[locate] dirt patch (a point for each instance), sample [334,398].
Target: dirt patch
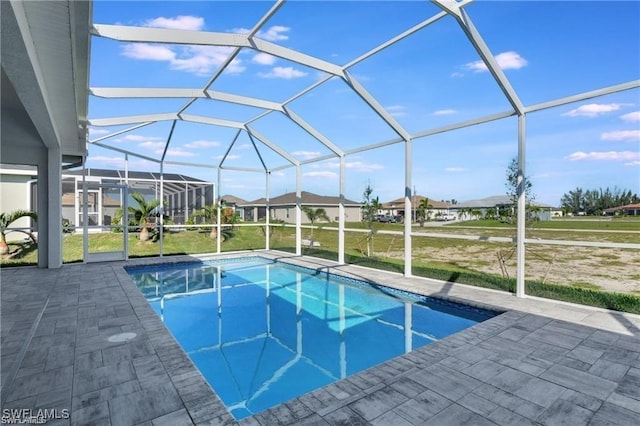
[609,269]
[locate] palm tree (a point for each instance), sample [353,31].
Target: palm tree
[142,213]
[210,214]
[314,215]
[7,219]
[423,211]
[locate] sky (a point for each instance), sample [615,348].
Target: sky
[433,78]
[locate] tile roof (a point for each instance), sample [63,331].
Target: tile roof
[308,198]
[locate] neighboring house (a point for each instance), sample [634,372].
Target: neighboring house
[183,195]
[629,210]
[397,207]
[474,209]
[235,203]
[283,208]
[16,194]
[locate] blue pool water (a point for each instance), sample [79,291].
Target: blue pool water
[263,332]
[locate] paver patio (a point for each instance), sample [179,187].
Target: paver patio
[540,362]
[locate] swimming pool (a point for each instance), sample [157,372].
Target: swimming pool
[263,332]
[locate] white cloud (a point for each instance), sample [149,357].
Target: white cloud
[264,59]
[229,157]
[324,174]
[456,74]
[177,23]
[396,110]
[455,169]
[96,132]
[445,112]
[158,146]
[146,51]
[506,60]
[358,166]
[632,116]
[202,144]
[199,60]
[177,152]
[305,154]
[593,110]
[621,135]
[605,155]
[113,161]
[633,163]
[274,33]
[283,72]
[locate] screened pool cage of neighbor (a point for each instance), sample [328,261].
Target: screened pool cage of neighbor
[157,176]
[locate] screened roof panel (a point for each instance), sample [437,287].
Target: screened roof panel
[414,67]
[266,76]
[334,31]
[425,80]
[342,116]
[587,45]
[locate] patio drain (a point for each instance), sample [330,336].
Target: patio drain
[121,337]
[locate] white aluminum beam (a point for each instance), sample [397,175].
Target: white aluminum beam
[110,135]
[276,148]
[170,36]
[321,158]
[408,259]
[253,142]
[164,151]
[164,92]
[375,105]
[209,120]
[584,96]
[242,169]
[295,56]
[126,152]
[341,239]
[224,156]
[183,163]
[312,131]
[132,119]
[453,8]
[463,124]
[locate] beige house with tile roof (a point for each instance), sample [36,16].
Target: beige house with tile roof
[283,208]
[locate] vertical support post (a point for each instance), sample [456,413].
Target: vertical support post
[341,212]
[161,198]
[218,218]
[268,211]
[186,202]
[298,210]
[54,217]
[522,202]
[408,208]
[85,214]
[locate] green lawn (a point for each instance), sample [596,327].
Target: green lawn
[387,255]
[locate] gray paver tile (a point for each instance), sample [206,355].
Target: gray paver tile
[39,383]
[541,392]
[579,381]
[589,402]
[344,416]
[102,377]
[407,387]
[458,415]
[509,379]
[565,413]
[422,407]
[477,404]
[390,418]
[176,418]
[609,370]
[505,417]
[144,405]
[377,403]
[484,370]
[93,414]
[612,414]
[624,402]
[451,384]
[509,401]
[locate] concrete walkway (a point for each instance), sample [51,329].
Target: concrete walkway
[83,339]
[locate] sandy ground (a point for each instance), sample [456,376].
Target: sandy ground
[614,270]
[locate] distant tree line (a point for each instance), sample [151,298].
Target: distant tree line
[595,201]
